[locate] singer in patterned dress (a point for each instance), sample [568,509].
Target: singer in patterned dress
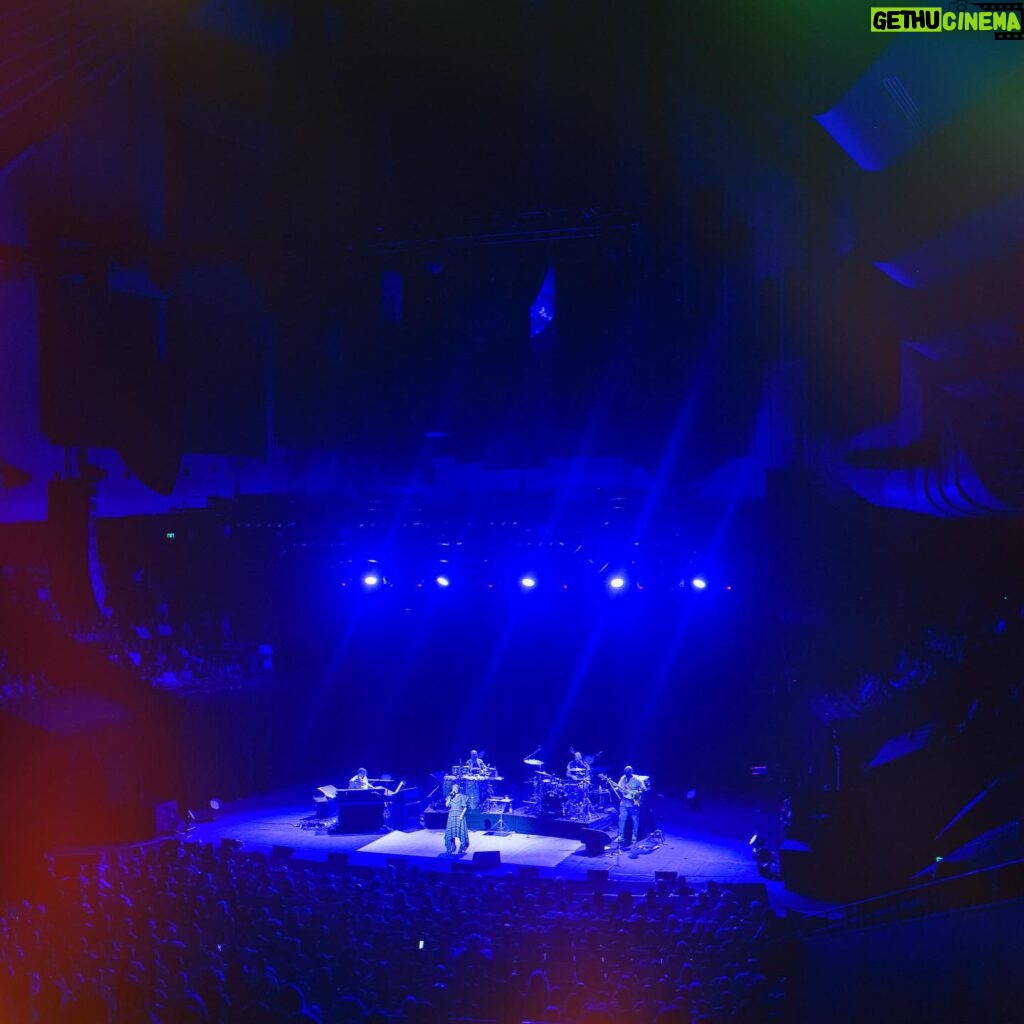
[457,804]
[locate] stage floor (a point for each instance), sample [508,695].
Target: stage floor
[707,844]
[540,851]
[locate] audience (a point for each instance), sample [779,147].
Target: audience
[182,932]
[18,687]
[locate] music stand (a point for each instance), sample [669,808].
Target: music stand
[388,795]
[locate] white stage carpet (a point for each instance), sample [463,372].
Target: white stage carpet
[544,851]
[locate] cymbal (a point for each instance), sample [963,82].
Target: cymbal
[545,775]
[533,762]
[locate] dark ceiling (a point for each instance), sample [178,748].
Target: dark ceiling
[691,172]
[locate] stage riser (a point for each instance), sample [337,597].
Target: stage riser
[522,824]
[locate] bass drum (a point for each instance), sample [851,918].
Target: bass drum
[551,802]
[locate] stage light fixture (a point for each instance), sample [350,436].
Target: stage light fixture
[617,582]
[528,582]
[443,581]
[699,583]
[371,580]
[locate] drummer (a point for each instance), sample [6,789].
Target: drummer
[475,764]
[577,769]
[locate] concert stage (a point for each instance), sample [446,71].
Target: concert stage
[705,844]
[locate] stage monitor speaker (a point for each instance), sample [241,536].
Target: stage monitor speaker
[595,841]
[486,860]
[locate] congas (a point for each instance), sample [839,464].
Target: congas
[473,789]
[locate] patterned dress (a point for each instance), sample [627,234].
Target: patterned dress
[456,827]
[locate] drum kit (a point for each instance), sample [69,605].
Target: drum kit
[572,798]
[576,798]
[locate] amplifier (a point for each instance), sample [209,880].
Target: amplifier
[359,816]
[405,810]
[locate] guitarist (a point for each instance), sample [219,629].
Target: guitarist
[630,789]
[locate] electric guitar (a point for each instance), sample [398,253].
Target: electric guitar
[634,796]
